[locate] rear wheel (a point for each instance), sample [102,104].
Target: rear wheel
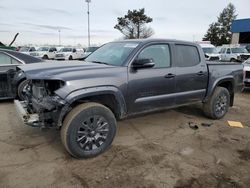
[88,130]
[217,105]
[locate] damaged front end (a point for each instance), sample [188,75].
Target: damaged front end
[41,107]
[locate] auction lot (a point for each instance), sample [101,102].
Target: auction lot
[157,150]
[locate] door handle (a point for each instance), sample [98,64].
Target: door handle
[201,73]
[170,75]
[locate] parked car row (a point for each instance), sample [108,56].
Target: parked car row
[58,53]
[225,53]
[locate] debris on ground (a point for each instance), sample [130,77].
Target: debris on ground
[235,124]
[193,125]
[206,124]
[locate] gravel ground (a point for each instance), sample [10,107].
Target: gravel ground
[157,150]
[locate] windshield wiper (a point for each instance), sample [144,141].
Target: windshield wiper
[100,62]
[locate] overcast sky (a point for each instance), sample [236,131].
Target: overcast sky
[38,21]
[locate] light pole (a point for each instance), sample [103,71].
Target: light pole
[88,1]
[59,34]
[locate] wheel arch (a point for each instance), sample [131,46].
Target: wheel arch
[226,82]
[111,97]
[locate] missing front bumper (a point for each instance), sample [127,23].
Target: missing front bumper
[27,118]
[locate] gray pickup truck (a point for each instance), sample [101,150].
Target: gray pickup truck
[120,79]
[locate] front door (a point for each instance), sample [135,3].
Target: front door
[151,88]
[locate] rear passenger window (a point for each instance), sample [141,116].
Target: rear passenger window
[159,53]
[187,56]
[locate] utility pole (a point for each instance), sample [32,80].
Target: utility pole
[88,1]
[59,34]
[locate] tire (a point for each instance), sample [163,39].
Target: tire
[233,60]
[83,138]
[217,105]
[21,88]
[45,57]
[70,58]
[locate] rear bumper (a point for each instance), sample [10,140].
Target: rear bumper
[26,118]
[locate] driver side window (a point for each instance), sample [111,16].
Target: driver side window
[159,53]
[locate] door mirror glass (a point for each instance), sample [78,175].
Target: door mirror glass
[143,63]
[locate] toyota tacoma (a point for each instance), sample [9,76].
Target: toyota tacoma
[121,79]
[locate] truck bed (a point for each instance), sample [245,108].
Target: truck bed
[224,71]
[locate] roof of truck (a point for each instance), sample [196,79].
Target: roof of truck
[148,40]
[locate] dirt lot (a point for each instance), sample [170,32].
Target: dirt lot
[157,150]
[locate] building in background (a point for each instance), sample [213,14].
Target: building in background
[241,31]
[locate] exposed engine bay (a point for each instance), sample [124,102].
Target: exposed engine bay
[41,102]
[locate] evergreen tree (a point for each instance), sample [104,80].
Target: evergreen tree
[219,32]
[133,24]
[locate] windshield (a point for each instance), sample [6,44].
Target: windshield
[66,50]
[91,49]
[239,50]
[24,49]
[209,50]
[112,53]
[44,49]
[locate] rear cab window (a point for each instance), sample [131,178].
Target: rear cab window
[187,55]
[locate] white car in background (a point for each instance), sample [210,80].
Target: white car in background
[234,53]
[69,54]
[27,49]
[210,52]
[246,71]
[45,52]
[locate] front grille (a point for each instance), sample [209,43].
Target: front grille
[247,84]
[244,57]
[59,55]
[34,54]
[248,74]
[214,58]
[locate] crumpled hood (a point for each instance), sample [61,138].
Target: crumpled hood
[65,71]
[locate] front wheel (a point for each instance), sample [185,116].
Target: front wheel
[88,130]
[217,105]
[45,57]
[21,89]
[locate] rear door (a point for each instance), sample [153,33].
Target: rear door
[191,74]
[7,70]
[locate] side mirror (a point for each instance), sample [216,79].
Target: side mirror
[143,63]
